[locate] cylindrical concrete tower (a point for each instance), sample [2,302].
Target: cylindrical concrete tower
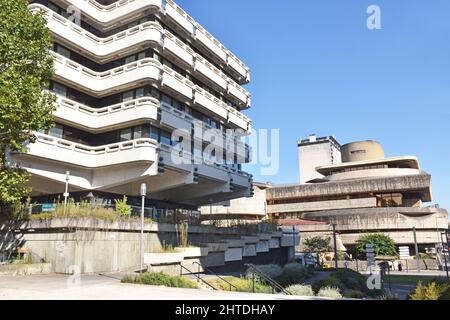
[361,151]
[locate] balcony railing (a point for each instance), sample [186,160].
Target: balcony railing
[98,119]
[58,149]
[109,14]
[110,46]
[120,76]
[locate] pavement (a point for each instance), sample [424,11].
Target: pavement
[108,287]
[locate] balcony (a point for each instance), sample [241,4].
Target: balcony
[104,119]
[112,14]
[102,83]
[105,49]
[49,147]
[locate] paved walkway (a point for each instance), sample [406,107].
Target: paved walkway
[108,287]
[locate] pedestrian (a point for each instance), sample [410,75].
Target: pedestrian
[400,266]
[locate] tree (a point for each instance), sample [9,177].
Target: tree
[384,245]
[318,245]
[25,69]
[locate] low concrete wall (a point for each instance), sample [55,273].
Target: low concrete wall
[93,245]
[25,269]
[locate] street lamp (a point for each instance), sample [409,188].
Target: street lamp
[66,192]
[335,247]
[143,194]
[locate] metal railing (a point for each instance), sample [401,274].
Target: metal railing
[275,285]
[195,275]
[214,274]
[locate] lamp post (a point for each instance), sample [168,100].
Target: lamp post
[143,194]
[416,249]
[445,251]
[335,247]
[66,192]
[210,210]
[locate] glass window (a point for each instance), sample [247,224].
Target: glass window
[59,89]
[127,96]
[57,131]
[164,137]
[154,133]
[141,55]
[125,134]
[165,98]
[178,105]
[139,93]
[130,59]
[63,51]
[137,134]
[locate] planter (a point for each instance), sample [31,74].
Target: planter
[163,258]
[25,269]
[193,252]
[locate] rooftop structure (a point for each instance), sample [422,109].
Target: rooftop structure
[314,152]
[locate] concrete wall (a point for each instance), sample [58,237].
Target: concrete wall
[322,205]
[386,184]
[92,246]
[255,205]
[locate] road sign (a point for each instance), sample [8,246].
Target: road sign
[48,207]
[404,252]
[370,254]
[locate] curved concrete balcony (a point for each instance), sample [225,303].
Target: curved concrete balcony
[61,150]
[108,118]
[145,70]
[372,173]
[122,43]
[109,15]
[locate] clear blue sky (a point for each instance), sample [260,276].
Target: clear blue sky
[316,68]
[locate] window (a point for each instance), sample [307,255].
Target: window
[154,133]
[140,93]
[62,51]
[126,134]
[165,137]
[59,89]
[57,131]
[127,96]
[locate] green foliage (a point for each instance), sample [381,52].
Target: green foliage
[355,294]
[294,273]
[121,206]
[384,245]
[241,284]
[330,281]
[330,292]
[25,69]
[165,249]
[271,270]
[430,291]
[301,290]
[318,244]
[161,279]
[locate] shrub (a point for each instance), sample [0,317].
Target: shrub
[430,291]
[329,292]
[328,282]
[351,279]
[301,290]
[241,284]
[161,279]
[271,270]
[293,273]
[355,294]
[121,207]
[384,245]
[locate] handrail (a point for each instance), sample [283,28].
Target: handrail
[195,275]
[216,275]
[272,282]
